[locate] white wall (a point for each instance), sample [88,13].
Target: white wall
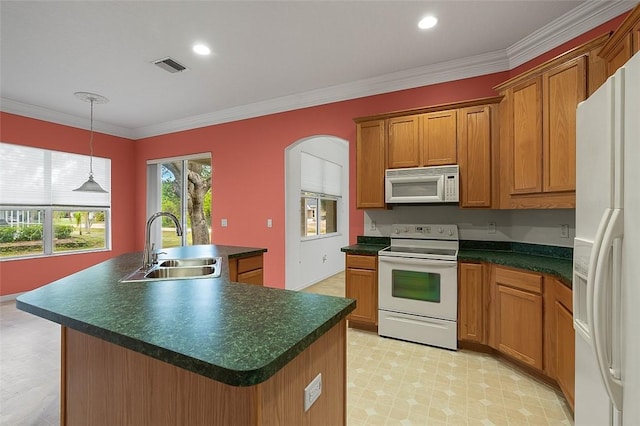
[310,261]
[527,226]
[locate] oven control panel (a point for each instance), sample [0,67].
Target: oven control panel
[436,232]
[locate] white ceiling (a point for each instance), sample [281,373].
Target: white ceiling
[267,56]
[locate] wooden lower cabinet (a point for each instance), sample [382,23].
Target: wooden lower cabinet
[247,270]
[525,316]
[361,284]
[106,384]
[472,315]
[565,342]
[518,315]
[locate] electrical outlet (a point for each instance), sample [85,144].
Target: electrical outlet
[372,227]
[312,392]
[491,228]
[564,231]
[269,223]
[223,223]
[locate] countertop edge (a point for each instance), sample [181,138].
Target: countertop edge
[536,263]
[217,373]
[185,361]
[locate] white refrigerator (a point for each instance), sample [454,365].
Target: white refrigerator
[606,261]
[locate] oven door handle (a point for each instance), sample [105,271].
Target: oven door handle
[421,262]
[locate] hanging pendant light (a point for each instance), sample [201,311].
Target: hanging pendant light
[91,185]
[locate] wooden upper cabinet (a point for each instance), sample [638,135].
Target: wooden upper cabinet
[403,143]
[475,137]
[538,128]
[563,88]
[370,164]
[624,42]
[439,138]
[527,137]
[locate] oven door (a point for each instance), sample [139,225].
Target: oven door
[423,287]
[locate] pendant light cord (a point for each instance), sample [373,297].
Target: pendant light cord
[91,143]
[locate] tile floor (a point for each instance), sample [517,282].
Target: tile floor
[389,382]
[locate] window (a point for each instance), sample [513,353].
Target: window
[40,214]
[181,186]
[319,215]
[320,183]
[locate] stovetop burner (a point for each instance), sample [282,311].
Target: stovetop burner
[423,241]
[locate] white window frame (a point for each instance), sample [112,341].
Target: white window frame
[154,193]
[48,209]
[319,197]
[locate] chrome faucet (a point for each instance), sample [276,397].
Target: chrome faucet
[148,259]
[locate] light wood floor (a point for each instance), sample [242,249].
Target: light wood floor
[390,382]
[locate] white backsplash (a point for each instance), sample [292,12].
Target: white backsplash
[526,226]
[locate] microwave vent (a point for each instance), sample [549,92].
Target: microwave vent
[422,171]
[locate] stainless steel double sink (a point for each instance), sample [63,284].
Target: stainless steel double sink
[178,269]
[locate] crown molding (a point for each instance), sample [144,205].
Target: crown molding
[578,21]
[572,24]
[409,79]
[26,110]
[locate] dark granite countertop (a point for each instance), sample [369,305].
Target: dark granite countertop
[553,260]
[238,334]
[367,245]
[557,261]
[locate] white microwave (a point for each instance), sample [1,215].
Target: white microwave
[437,184]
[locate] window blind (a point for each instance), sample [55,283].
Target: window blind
[41,177]
[319,175]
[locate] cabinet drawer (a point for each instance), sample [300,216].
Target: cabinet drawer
[251,277]
[359,261]
[526,281]
[246,264]
[564,295]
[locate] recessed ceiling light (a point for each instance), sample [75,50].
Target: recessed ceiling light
[427,22]
[201,49]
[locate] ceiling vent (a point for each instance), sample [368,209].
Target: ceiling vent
[170,65]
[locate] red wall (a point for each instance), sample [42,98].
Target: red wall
[248,168]
[248,162]
[22,275]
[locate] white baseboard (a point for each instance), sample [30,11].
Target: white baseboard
[10,297]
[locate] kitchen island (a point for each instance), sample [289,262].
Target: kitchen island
[193,351]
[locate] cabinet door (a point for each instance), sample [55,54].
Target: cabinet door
[475,156]
[527,137]
[635,31]
[439,138]
[566,351]
[563,88]
[370,164]
[471,310]
[403,143]
[519,325]
[620,54]
[362,285]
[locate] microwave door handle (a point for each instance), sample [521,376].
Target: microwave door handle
[421,262]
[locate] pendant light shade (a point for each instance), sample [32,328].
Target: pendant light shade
[91,185]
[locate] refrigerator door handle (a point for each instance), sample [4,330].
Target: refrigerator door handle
[603,295]
[591,273]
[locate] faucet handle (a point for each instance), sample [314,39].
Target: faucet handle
[155,254]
